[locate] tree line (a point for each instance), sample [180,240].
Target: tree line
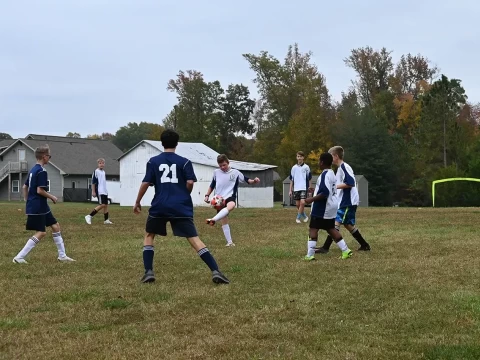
[402,124]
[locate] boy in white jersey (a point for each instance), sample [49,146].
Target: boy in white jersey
[225,183]
[324,209]
[300,177]
[348,201]
[99,189]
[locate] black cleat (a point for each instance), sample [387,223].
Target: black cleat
[364,248]
[219,278]
[321,250]
[148,277]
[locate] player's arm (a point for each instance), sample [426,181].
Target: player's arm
[42,182]
[189,175]
[42,192]
[141,192]
[343,186]
[94,184]
[346,181]
[247,180]
[25,191]
[210,189]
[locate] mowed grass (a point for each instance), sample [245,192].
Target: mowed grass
[416,295]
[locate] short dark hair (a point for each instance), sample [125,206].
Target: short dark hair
[301,153]
[222,158]
[169,139]
[326,159]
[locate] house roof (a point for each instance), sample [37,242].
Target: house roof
[201,154]
[77,156]
[6,143]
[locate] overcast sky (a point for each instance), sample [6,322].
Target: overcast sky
[92,66]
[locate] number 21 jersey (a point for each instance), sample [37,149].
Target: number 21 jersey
[169,173]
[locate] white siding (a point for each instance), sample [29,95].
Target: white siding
[132,171]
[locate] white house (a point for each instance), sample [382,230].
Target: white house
[204,160]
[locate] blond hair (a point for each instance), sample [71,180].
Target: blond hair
[101,160]
[337,150]
[41,151]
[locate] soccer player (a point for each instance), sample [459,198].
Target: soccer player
[300,177]
[99,189]
[173,178]
[39,215]
[348,201]
[324,209]
[225,182]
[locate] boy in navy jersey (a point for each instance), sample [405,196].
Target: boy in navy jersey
[225,183]
[173,178]
[324,209]
[38,212]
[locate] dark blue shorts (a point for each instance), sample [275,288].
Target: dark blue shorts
[182,227]
[40,222]
[346,215]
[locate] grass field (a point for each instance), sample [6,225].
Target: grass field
[416,295]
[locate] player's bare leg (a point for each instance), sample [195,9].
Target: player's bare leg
[299,213]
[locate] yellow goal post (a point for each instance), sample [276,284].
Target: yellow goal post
[435,182]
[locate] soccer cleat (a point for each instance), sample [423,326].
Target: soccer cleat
[306,219]
[364,248]
[321,250]
[297,220]
[65,259]
[148,277]
[88,219]
[210,222]
[219,278]
[19,261]
[107,222]
[230,244]
[346,254]
[309,258]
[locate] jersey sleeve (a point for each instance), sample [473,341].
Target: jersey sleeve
[188,171]
[309,174]
[324,185]
[214,181]
[42,179]
[149,174]
[94,178]
[348,178]
[27,180]
[291,173]
[242,178]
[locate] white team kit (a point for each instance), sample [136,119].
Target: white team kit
[226,183]
[347,197]
[300,175]
[100,180]
[326,185]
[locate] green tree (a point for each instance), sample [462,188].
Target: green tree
[128,136]
[73,135]
[440,111]
[5,136]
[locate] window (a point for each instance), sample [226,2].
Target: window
[48,188]
[15,186]
[74,185]
[21,155]
[89,183]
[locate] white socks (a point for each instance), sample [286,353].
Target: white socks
[221,214]
[58,240]
[226,232]
[311,247]
[28,247]
[342,245]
